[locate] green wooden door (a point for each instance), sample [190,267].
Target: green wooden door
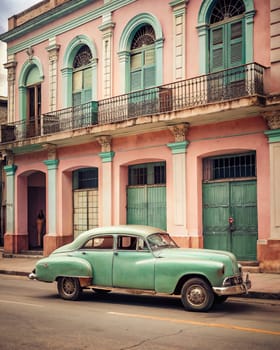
[146,205]
[222,200]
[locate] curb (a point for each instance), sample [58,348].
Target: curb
[261,295]
[14,273]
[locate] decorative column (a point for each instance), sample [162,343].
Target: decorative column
[273,121]
[11,67]
[53,50]
[52,165]
[123,72]
[179,34]
[107,33]
[10,170]
[270,254]
[107,187]
[178,149]
[67,82]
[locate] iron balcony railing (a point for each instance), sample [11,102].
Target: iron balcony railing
[235,83]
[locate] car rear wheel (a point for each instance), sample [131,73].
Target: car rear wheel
[197,295]
[69,288]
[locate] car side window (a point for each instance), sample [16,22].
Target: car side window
[99,242]
[131,243]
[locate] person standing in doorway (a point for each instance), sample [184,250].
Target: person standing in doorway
[40,227]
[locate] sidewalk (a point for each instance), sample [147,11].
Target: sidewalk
[264,285]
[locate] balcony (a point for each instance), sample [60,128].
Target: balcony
[227,85]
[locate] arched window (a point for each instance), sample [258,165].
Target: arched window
[226,35]
[82,76]
[142,59]
[30,80]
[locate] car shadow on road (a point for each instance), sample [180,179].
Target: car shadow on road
[158,301]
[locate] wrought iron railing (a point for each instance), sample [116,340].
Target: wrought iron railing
[235,83]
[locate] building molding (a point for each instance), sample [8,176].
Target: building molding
[52,15]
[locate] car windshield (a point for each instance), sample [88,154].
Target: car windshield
[160,241]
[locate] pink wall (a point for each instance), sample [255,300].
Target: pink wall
[163,12]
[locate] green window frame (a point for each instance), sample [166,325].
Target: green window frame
[142,59]
[227,45]
[82,77]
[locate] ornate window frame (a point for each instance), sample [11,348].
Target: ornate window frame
[203,24]
[125,43]
[67,69]
[26,68]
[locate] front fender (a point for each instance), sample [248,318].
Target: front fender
[170,271]
[49,269]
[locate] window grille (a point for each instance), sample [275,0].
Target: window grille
[83,57]
[147,174]
[85,178]
[225,167]
[225,9]
[144,36]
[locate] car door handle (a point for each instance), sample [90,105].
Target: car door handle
[116,253]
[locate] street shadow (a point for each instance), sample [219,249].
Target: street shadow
[231,306]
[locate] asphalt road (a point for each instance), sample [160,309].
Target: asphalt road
[32,316]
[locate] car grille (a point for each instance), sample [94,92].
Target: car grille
[233,281]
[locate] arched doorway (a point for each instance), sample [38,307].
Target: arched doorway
[36,199]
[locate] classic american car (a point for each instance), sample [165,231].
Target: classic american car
[142,259]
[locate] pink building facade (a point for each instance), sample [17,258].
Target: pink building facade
[164,113]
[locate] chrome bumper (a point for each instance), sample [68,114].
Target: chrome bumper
[32,276]
[241,288]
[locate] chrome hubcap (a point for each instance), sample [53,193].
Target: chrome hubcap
[196,295]
[68,286]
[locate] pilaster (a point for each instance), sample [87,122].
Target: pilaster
[179,34]
[107,186]
[107,28]
[53,50]
[10,171]
[178,149]
[52,165]
[273,121]
[11,67]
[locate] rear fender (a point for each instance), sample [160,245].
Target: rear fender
[49,269]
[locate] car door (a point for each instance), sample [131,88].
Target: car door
[98,251]
[133,264]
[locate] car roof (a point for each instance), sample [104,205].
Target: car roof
[142,230]
[139,230]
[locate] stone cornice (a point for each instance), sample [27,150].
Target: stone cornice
[53,15]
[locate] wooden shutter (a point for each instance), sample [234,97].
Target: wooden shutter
[236,44]
[217,49]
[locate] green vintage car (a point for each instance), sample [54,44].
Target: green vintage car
[142,259]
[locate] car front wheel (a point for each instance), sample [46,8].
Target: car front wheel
[69,288]
[197,295]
